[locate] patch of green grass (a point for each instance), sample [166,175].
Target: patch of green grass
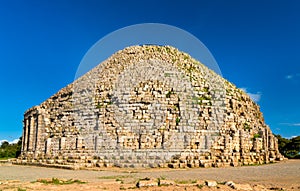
[200,99]
[205,89]
[146,178]
[5,158]
[99,105]
[253,164]
[168,95]
[108,177]
[185,181]
[168,49]
[21,189]
[57,181]
[167,74]
[162,177]
[115,177]
[132,187]
[204,98]
[177,120]
[120,180]
[200,186]
[246,126]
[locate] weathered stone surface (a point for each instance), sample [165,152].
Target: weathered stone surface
[245,187]
[147,183]
[211,183]
[260,188]
[166,182]
[148,106]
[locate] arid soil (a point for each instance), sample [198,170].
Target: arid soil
[279,176]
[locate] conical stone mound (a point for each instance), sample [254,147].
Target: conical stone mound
[148,106]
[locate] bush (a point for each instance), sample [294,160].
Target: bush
[10,150]
[290,148]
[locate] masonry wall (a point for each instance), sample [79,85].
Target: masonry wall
[148,106]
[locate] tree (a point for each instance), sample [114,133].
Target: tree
[4,144]
[290,148]
[10,150]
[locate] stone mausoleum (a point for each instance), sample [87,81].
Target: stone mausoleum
[148,106]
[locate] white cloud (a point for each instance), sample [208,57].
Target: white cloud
[1,141]
[10,142]
[254,96]
[14,141]
[292,76]
[289,77]
[291,124]
[295,124]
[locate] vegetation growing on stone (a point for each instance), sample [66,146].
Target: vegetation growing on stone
[246,126]
[256,136]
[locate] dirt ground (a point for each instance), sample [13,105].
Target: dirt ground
[279,176]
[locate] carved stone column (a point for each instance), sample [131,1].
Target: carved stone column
[62,143]
[36,130]
[48,146]
[29,136]
[24,136]
[79,143]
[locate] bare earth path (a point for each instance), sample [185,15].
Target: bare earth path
[280,175]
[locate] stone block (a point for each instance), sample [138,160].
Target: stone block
[244,187]
[234,164]
[147,183]
[230,184]
[182,165]
[173,165]
[211,183]
[166,182]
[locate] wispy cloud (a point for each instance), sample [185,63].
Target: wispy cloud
[254,96]
[292,76]
[10,142]
[291,124]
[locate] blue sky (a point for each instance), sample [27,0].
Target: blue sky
[256,45]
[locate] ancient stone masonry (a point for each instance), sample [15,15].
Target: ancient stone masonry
[148,106]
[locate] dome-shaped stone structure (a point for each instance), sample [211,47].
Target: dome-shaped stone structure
[148,106]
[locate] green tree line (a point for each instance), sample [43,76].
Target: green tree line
[12,150]
[290,148]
